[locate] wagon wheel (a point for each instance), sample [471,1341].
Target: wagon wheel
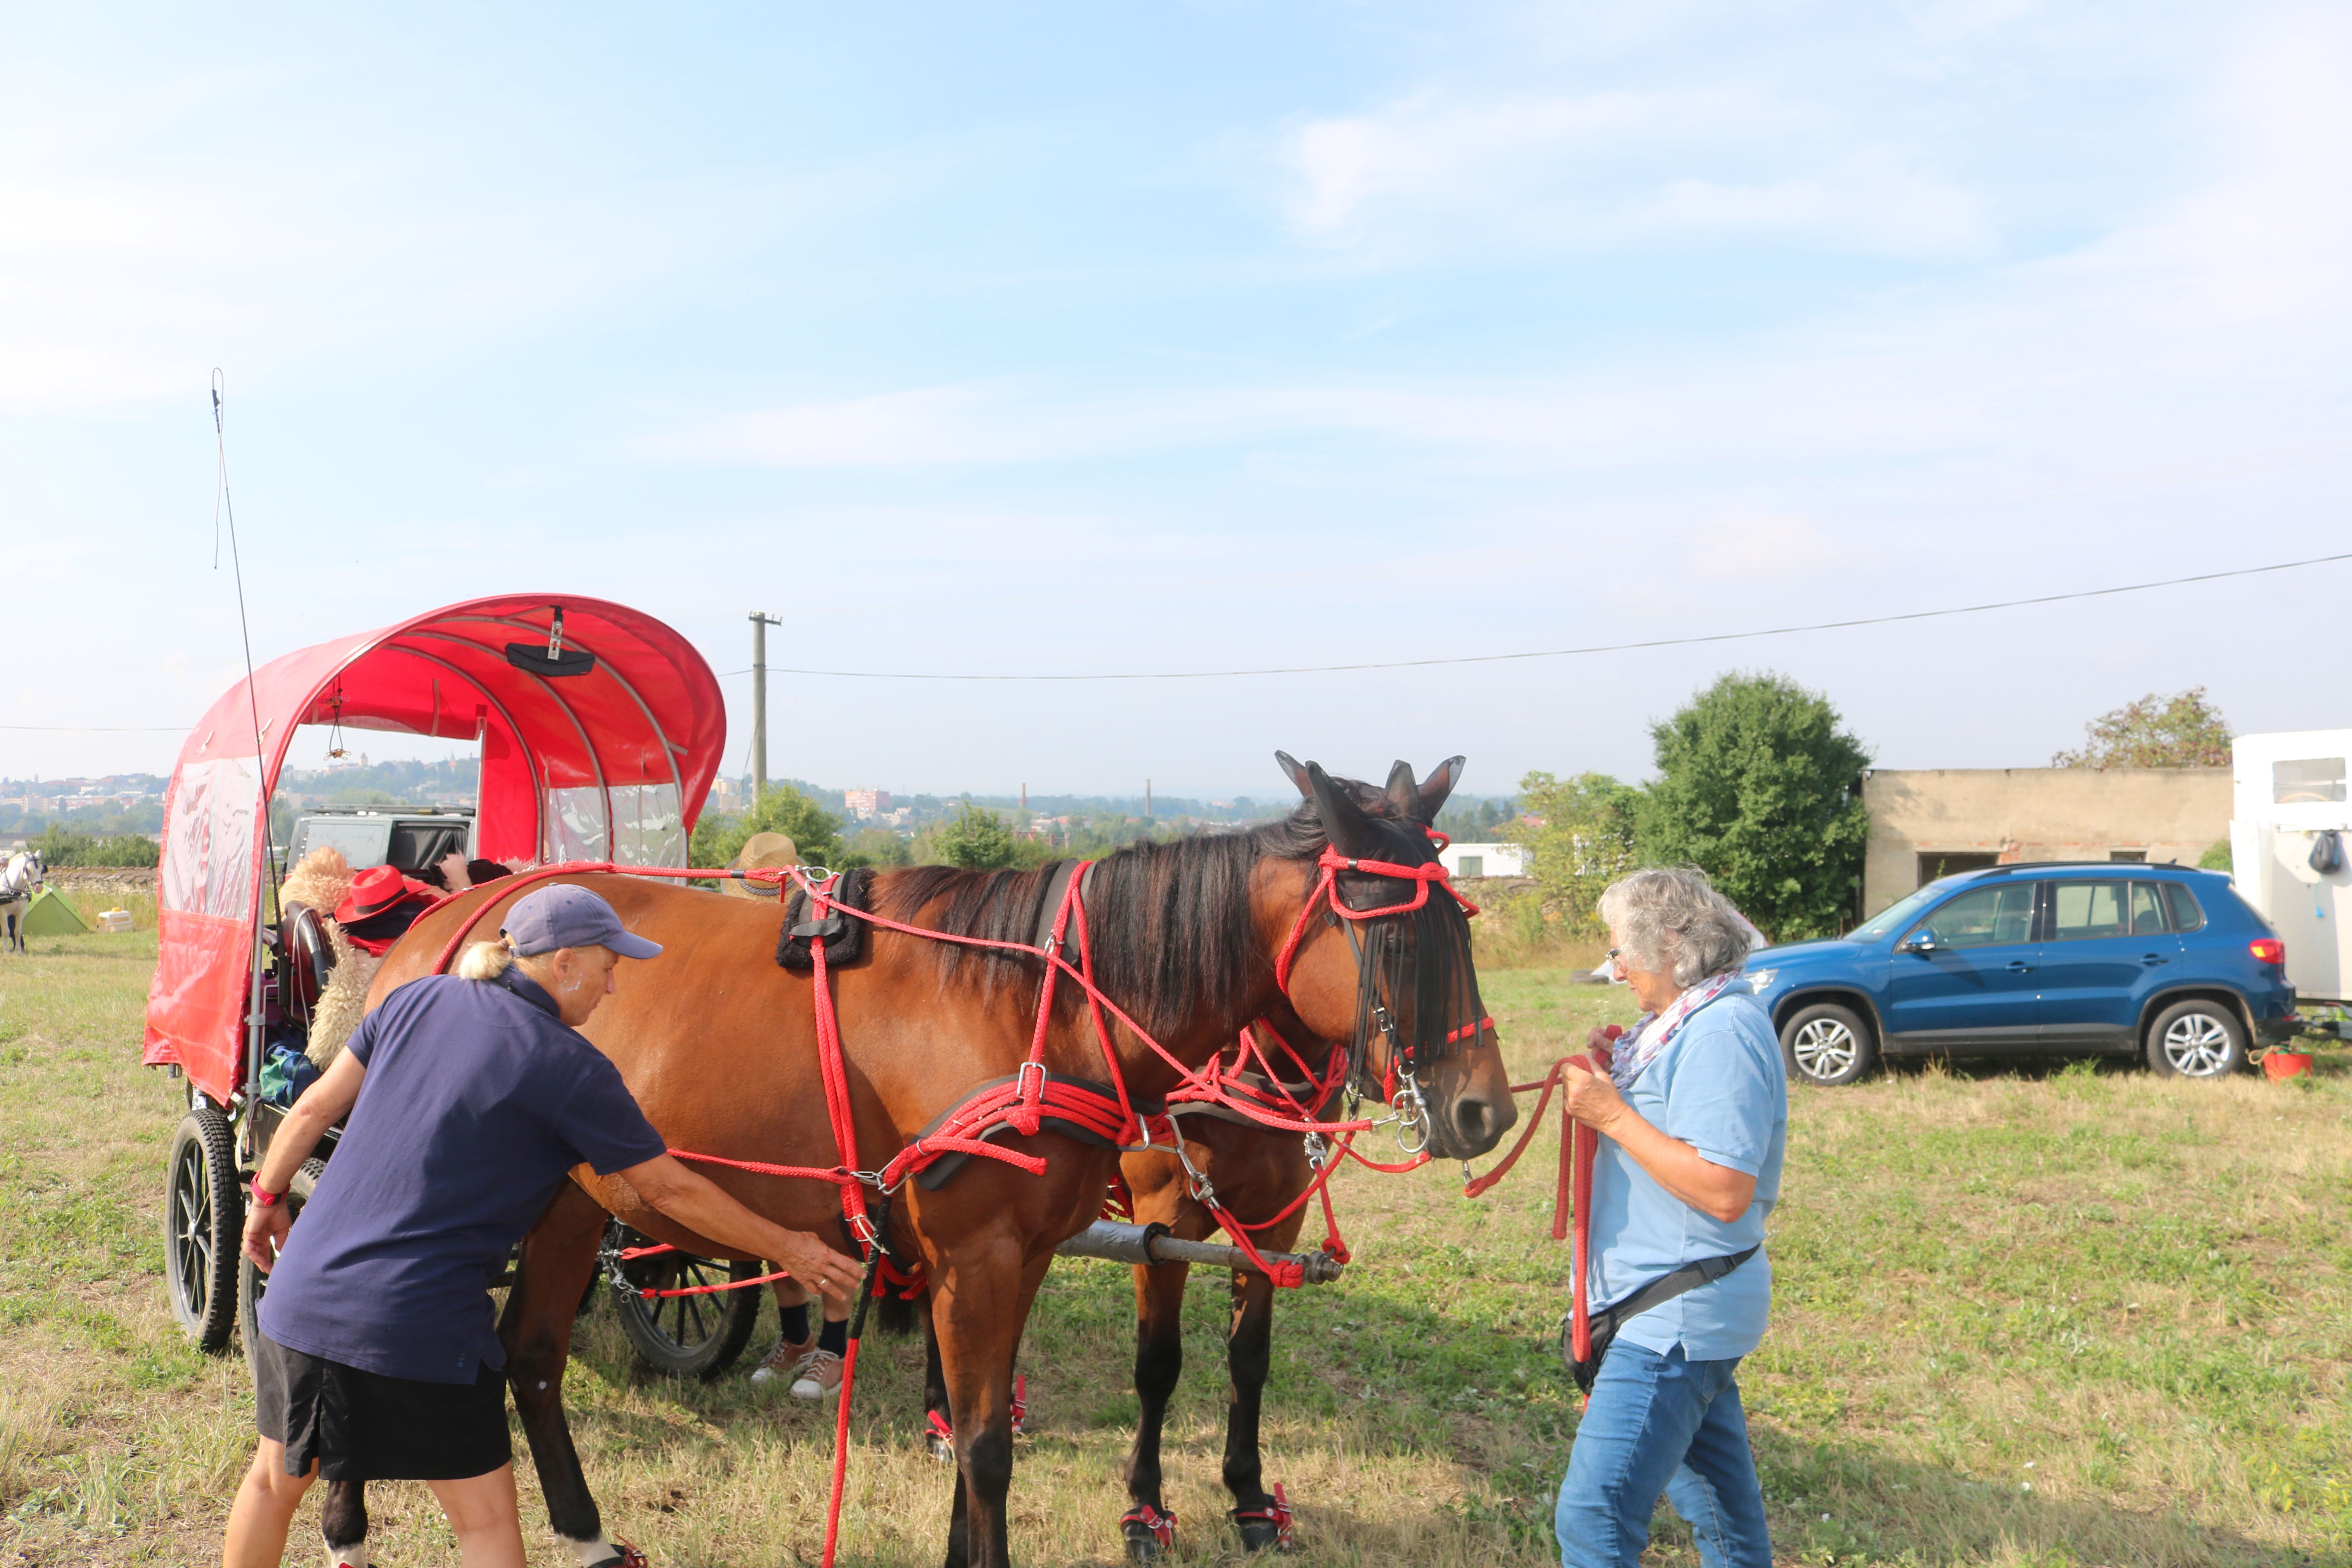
[683,1336]
[204,1220]
[251,1282]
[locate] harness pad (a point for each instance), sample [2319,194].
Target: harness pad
[844,935]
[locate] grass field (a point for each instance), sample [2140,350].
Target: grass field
[2061,1316]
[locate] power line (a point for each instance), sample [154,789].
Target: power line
[1426,663]
[1600,647]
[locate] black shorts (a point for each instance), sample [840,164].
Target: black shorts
[364,1427]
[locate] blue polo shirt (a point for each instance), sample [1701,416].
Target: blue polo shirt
[1720,1087]
[476,1102]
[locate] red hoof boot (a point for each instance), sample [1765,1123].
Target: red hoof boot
[1266,1528]
[1150,1535]
[941,1437]
[624,1556]
[1021,1405]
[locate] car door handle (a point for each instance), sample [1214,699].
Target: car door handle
[2018,966]
[2153,959]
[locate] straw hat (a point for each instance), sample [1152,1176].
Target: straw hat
[760,851]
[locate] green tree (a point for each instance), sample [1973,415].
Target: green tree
[59,847]
[2182,730]
[976,840]
[814,831]
[1761,787]
[1581,834]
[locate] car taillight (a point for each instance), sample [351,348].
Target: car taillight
[2267,950]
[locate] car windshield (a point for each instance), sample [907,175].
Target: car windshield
[1896,915]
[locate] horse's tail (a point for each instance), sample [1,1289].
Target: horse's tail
[896,1316]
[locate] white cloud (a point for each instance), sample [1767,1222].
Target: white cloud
[1438,174]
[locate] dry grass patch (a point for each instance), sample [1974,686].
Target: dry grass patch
[2060,1315]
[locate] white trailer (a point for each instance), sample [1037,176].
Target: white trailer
[2289,813]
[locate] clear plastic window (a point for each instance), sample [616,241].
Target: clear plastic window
[2307,781]
[208,844]
[575,824]
[648,828]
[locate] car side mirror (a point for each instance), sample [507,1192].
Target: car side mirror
[1921,940]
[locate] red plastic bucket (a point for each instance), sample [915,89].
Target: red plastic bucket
[2279,1064]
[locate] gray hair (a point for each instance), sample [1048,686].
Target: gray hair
[1674,921]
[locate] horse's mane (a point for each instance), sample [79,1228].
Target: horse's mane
[1170,923]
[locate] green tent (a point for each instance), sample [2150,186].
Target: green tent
[52,916]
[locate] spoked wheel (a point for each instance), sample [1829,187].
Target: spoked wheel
[685,1336]
[204,1220]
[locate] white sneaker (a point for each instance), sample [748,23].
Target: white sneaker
[786,1354]
[817,1376]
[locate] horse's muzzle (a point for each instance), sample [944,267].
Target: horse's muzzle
[1474,1123]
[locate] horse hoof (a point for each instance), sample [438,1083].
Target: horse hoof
[1258,1535]
[1150,1535]
[941,1449]
[1142,1546]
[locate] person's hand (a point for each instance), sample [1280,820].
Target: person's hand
[453,873]
[264,1232]
[1604,1037]
[819,1268]
[1592,1098]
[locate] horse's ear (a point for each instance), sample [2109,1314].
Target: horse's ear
[1295,774]
[1438,785]
[1344,822]
[1400,789]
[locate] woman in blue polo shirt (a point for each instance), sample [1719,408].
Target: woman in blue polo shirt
[471,1096]
[1693,1118]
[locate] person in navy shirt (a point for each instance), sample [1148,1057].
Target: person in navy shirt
[471,1097]
[1694,1119]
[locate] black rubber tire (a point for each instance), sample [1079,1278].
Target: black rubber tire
[204,1222]
[685,1336]
[2207,1035]
[252,1284]
[1824,1034]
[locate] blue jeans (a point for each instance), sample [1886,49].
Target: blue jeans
[1659,1422]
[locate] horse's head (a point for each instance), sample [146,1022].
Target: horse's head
[1381,954]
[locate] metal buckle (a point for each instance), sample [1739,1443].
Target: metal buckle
[1021,1080]
[1318,1151]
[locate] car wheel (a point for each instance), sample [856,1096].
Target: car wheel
[2197,1039]
[1827,1044]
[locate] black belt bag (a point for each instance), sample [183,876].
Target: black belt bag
[1603,1324]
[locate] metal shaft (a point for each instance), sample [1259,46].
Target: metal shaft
[1152,1244]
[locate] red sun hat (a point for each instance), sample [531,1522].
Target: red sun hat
[376,890]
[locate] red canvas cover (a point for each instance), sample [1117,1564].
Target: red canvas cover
[614,764]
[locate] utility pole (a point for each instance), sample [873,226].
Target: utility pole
[760,625]
[1146,801]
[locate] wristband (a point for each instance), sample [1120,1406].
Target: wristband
[263,1197]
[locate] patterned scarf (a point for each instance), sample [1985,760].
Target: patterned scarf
[1655,1029]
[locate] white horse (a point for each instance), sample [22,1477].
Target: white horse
[19,881]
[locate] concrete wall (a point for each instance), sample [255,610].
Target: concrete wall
[2036,814]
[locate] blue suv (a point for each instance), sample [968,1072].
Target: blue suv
[2101,958]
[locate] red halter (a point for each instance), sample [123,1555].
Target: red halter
[1326,892]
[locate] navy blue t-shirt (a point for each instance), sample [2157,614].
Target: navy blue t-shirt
[476,1101]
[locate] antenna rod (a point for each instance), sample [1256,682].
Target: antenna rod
[760,625]
[224,506]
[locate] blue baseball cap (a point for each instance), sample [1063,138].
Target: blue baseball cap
[566,916]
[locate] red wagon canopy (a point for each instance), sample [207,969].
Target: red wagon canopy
[612,764]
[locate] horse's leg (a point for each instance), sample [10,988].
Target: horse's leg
[1159,1362]
[1248,1354]
[978,1310]
[343,1521]
[558,1256]
[935,1390]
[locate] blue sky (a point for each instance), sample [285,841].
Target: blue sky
[1056,339]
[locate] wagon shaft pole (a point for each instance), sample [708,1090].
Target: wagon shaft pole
[1152,1244]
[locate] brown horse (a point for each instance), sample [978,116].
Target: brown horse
[1253,1169]
[718,1042]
